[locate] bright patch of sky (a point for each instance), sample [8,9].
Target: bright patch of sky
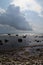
[28,4]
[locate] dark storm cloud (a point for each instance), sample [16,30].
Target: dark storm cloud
[14,18]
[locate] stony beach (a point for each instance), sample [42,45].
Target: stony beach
[30,54]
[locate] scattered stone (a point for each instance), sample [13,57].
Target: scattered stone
[19,40]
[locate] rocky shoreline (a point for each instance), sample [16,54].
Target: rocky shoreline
[27,50]
[22,56]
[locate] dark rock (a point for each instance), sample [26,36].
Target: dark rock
[19,40]
[6,40]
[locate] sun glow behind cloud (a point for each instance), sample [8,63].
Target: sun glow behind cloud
[27,4]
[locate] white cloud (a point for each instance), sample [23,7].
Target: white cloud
[27,4]
[2,11]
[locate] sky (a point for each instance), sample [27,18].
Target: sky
[21,15]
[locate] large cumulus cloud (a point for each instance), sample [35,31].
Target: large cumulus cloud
[14,18]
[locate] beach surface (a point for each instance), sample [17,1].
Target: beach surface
[21,50]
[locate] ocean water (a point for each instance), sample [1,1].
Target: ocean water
[22,33]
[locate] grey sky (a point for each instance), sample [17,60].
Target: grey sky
[4,3]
